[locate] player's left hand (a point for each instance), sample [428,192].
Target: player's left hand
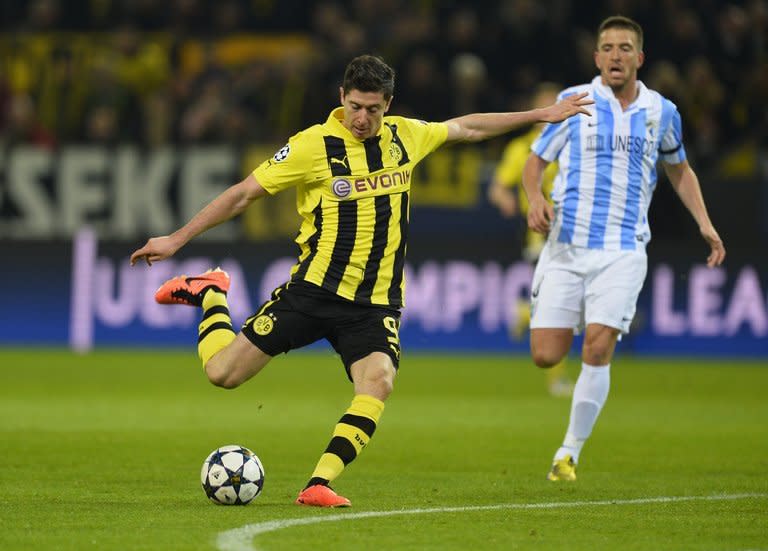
[717,253]
[567,107]
[540,214]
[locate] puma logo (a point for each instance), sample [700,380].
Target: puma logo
[342,161]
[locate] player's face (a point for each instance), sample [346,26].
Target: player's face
[618,57]
[363,112]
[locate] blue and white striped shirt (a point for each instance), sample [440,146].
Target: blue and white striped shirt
[608,166]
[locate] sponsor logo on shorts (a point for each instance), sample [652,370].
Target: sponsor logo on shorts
[264,324]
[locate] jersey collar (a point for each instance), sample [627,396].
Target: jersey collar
[335,123]
[643,99]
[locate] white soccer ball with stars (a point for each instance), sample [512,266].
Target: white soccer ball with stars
[232,475]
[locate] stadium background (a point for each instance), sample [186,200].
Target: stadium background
[120,119]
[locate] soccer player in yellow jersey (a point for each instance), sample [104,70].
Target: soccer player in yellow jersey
[352,176]
[505,192]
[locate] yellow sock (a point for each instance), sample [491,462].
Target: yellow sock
[523,315]
[556,372]
[558,382]
[215,329]
[350,436]
[524,312]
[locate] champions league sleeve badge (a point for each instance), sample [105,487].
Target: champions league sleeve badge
[282,154]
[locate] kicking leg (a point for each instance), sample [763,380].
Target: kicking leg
[229,360]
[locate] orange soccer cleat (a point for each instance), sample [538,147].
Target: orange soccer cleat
[190,290]
[322,496]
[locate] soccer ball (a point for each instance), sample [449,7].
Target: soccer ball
[232,475]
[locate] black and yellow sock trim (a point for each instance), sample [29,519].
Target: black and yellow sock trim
[215,330]
[222,324]
[350,437]
[351,434]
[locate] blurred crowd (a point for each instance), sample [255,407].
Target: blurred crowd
[162,72]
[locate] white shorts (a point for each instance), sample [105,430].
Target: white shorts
[575,286]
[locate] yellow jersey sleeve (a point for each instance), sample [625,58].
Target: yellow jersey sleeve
[290,166]
[421,137]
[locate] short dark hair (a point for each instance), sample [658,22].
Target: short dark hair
[369,73]
[621,22]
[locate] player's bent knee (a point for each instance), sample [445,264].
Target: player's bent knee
[550,346]
[235,364]
[599,346]
[220,376]
[222,380]
[546,355]
[546,358]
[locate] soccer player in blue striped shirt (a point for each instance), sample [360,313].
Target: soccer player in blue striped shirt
[592,268]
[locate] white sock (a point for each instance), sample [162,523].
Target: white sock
[589,395]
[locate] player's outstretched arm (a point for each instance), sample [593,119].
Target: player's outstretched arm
[228,204]
[686,185]
[481,126]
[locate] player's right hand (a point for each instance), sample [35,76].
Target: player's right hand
[540,215]
[717,249]
[156,248]
[567,107]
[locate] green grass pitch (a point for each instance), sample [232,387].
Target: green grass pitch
[103,451]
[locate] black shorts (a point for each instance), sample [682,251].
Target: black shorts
[301,313]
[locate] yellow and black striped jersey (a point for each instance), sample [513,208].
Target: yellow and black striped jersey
[353,199]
